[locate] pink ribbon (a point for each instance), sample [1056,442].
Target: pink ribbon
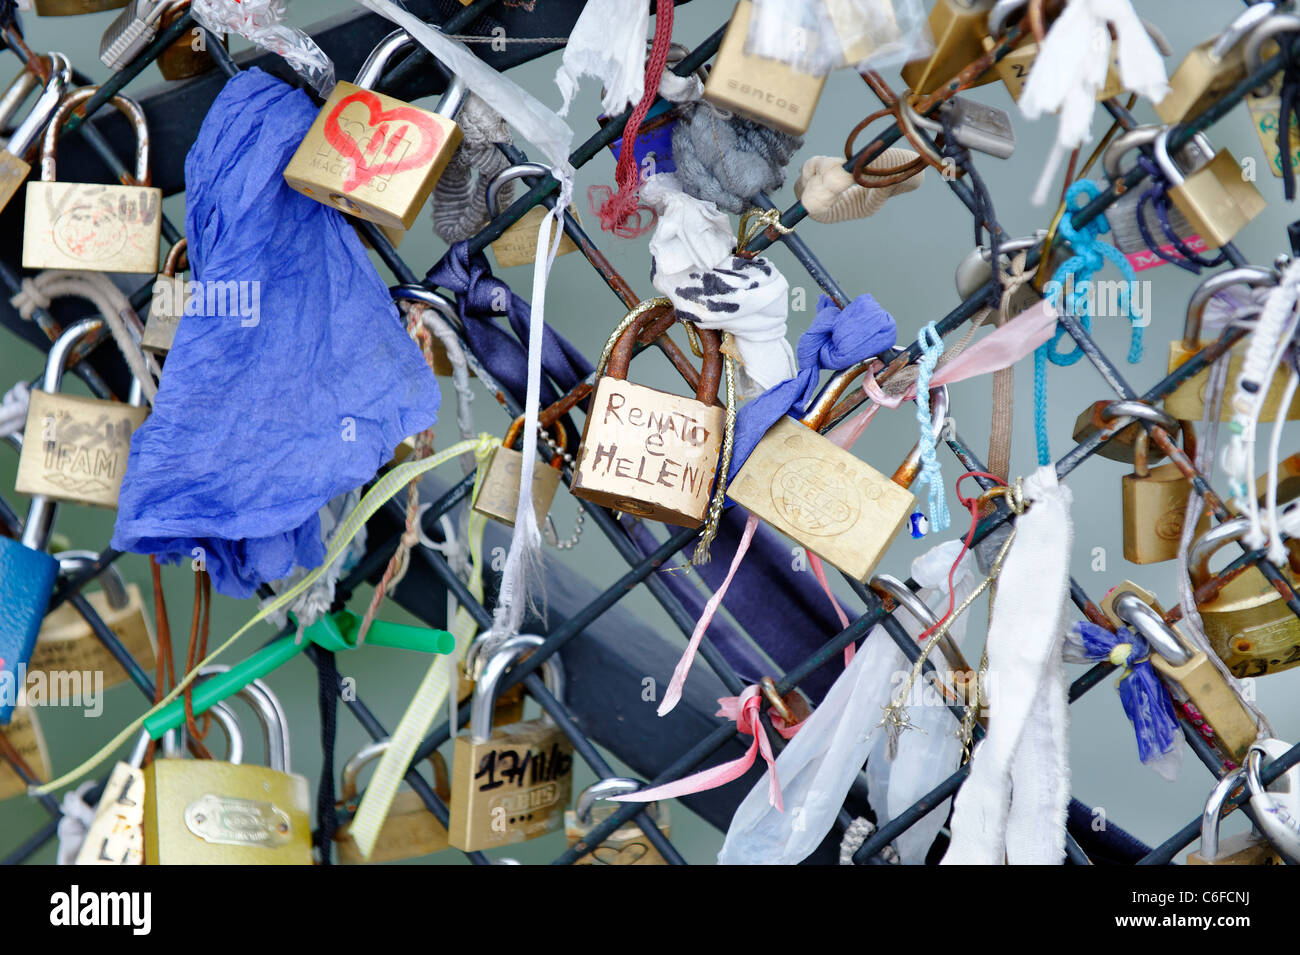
[744,710]
[674,692]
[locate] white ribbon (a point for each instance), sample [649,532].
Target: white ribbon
[607,42]
[1013,805]
[1071,67]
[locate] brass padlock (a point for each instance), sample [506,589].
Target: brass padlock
[67,8]
[1155,505]
[409,831]
[498,494]
[1127,231]
[375,156]
[1247,848]
[958,28]
[171,295]
[67,644]
[976,269]
[509,783]
[99,228]
[74,448]
[509,706]
[1121,446]
[209,812]
[14,168]
[1217,199]
[188,56]
[644,451]
[626,845]
[1192,678]
[1265,102]
[518,244]
[764,90]
[827,499]
[24,734]
[1187,401]
[1248,624]
[1210,69]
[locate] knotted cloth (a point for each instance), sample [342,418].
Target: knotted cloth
[257,424]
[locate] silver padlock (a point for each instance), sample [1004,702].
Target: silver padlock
[133,30]
[975,270]
[1277,808]
[975,125]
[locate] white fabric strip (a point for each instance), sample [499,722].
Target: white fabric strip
[607,42]
[1026,737]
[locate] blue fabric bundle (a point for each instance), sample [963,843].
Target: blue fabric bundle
[272,406]
[1145,700]
[836,339]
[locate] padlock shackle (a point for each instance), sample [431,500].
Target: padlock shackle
[975,270]
[1133,408]
[1139,136]
[16,93]
[1280,828]
[372,71]
[604,789]
[426,296]
[509,174]
[890,586]
[128,107]
[1205,546]
[819,410]
[1161,637]
[43,110]
[617,356]
[1253,276]
[229,724]
[1242,25]
[1001,12]
[1213,812]
[371,752]
[1269,28]
[176,255]
[483,705]
[270,714]
[517,426]
[911,466]
[110,579]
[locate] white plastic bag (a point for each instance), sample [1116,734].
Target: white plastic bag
[817,768]
[817,36]
[261,22]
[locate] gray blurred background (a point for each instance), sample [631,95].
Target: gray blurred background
[905,257]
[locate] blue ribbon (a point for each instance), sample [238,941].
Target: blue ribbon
[836,339]
[1146,702]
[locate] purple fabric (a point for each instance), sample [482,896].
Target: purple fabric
[1145,700]
[263,417]
[835,340]
[785,613]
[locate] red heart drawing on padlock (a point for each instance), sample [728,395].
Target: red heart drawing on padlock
[361,170]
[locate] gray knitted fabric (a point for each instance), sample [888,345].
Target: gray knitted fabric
[460,198]
[725,159]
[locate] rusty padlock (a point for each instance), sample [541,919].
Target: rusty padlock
[1121,446]
[498,494]
[647,452]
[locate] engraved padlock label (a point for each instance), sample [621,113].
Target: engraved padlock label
[649,453]
[76,448]
[524,785]
[225,820]
[91,226]
[819,500]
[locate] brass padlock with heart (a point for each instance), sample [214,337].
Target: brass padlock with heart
[626,845]
[647,452]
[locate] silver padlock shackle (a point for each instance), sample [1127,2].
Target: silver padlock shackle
[435,300]
[372,70]
[16,93]
[1139,136]
[128,107]
[1271,27]
[43,110]
[1241,26]
[1204,547]
[502,659]
[229,724]
[367,755]
[110,580]
[938,415]
[1133,408]
[1214,809]
[905,597]
[270,714]
[170,747]
[604,789]
[1279,826]
[974,271]
[509,174]
[1251,275]
[1140,616]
